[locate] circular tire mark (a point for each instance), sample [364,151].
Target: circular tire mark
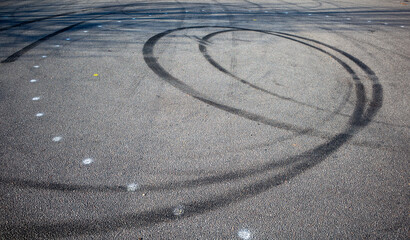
[204,51]
[295,164]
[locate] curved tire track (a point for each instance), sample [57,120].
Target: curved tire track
[37,20]
[204,51]
[191,183]
[295,164]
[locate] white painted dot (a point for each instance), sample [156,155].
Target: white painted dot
[57,139]
[118,21]
[132,187]
[310,14]
[33,80]
[88,161]
[348,18]
[36,66]
[327,15]
[44,56]
[369,21]
[99,26]
[266,11]
[133,18]
[68,39]
[85,31]
[244,234]
[39,114]
[179,210]
[385,23]
[36,98]
[57,45]
[402,26]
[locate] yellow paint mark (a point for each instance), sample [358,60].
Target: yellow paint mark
[95,75]
[254,19]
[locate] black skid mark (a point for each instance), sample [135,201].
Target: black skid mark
[296,165]
[204,52]
[152,62]
[135,220]
[21,52]
[185,184]
[37,20]
[196,182]
[18,54]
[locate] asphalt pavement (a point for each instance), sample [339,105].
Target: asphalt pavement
[204,119]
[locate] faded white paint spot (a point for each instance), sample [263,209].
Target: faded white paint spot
[118,21]
[33,80]
[310,14]
[44,56]
[327,16]
[85,31]
[39,114]
[369,21]
[244,234]
[88,161]
[99,26]
[133,18]
[57,45]
[68,39]
[132,187]
[348,18]
[36,98]
[402,26]
[57,139]
[36,66]
[179,210]
[385,23]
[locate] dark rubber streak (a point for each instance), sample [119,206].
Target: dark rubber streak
[36,20]
[191,183]
[153,64]
[135,220]
[18,54]
[298,164]
[204,52]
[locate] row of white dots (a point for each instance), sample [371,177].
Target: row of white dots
[86,161]
[132,187]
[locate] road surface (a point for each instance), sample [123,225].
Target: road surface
[204,119]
